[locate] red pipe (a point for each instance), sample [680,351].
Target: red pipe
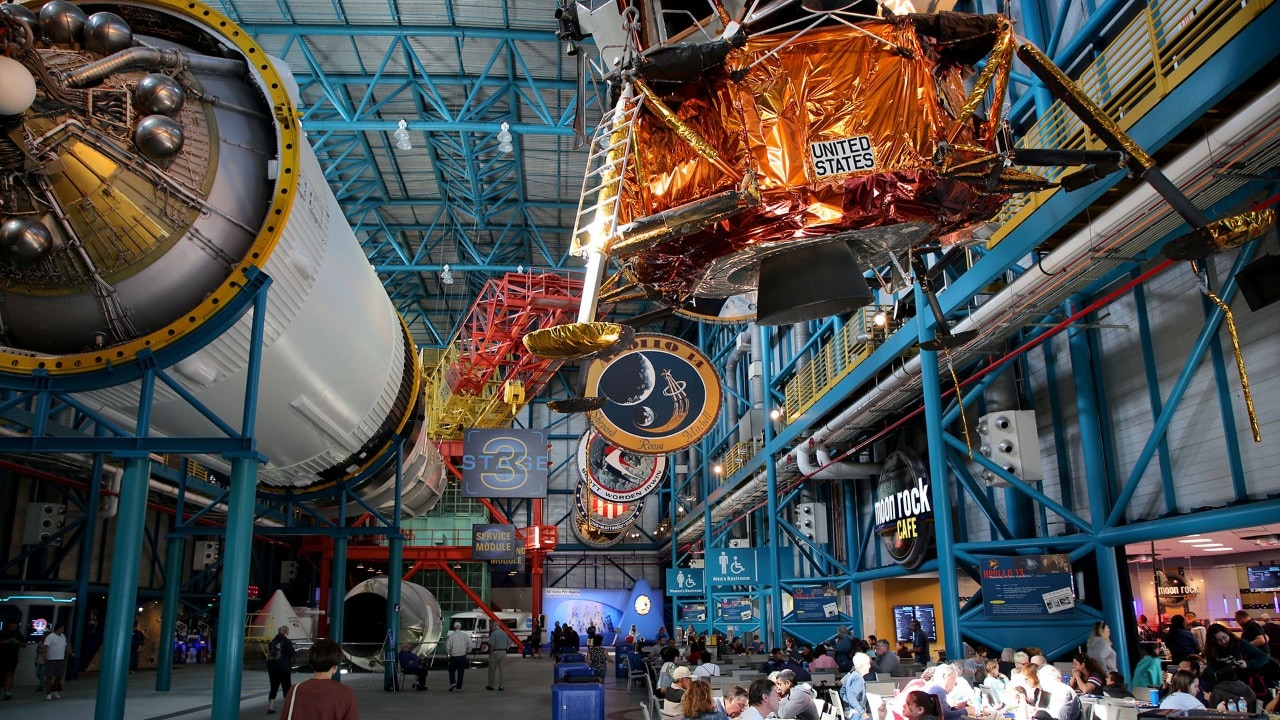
[479,602]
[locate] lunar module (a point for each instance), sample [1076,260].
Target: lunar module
[760,160]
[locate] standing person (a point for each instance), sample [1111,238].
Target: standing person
[455,646]
[1272,631]
[39,663]
[280,653]
[322,699]
[499,645]
[535,638]
[557,636]
[135,648]
[411,663]
[55,661]
[919,643]
[11,641]
[1099,647]
[591,632]
[597,657]
[843,647]
[1251,631]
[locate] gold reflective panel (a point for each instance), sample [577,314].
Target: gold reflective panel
[577,340]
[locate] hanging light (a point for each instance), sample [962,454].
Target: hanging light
[401,136]
[504,138]
[446,276]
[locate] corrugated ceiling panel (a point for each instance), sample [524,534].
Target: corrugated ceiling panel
[252,11]
[367,12]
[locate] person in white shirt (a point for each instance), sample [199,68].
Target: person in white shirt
[763,698]
[456,645]
[961,695]
[1185,688]
[55,661]
[1064,703]
[707,669]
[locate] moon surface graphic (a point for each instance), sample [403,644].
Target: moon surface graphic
[644,416]
[632,374]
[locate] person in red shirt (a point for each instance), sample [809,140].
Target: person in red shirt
[319,697]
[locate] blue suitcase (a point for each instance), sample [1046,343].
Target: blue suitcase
[577,702]
[574,657]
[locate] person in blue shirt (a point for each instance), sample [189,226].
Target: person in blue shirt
[1185,688]
[412,664]
[853,688]
[1148,672]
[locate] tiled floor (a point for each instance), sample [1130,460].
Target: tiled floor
[527,696]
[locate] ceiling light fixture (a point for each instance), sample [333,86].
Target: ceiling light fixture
[1218,549]
[401,136]
[504,138]
[446,276]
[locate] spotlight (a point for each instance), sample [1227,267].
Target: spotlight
[717,469]
[880,319]
[775,414]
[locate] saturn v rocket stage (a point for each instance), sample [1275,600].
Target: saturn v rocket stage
[151,159]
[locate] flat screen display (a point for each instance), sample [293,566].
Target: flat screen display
[1264,577]
[904,614]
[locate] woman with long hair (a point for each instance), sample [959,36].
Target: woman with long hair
[697,703]
[1099,647]
[921,705]
[1087,675]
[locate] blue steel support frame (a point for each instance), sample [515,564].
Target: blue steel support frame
[395,568]
[122,603]
[1097,478]
[174,552]
[85,559]
[773,624]
[939,480]
[234,603]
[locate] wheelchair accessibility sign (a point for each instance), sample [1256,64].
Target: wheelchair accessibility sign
[732,566]
[684,581]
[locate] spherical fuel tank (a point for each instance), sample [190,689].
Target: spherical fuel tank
[152,184]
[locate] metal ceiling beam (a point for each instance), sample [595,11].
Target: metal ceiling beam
[295,30]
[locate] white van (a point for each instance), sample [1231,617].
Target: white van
[477,622]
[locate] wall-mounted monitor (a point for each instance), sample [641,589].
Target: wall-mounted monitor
[904,614]
[1264,578]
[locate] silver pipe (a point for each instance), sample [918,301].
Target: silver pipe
[146,58]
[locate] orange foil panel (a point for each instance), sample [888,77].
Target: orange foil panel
[839,129]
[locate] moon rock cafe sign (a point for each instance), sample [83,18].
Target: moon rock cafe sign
[663,395]
[904,509]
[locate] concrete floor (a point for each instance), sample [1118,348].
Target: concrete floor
[527,696]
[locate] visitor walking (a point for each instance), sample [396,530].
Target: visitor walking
[499,645]
[455,645]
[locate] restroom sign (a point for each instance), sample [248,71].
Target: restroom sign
[732,566]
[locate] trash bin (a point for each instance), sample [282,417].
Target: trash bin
[621,652]
[562,669]
[577,701]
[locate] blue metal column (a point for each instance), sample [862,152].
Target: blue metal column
[169,614]
[1095,472]
[122,601]
[774,627]
[234,602]
[939,485]
[853,554]
[395,568]
[84,561]
[339,590]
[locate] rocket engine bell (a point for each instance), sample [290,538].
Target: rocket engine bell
[158,163]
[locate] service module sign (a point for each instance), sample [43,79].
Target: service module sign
[1027,586]
[494,542]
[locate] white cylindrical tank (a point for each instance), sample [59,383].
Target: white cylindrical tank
[364,625]
[151,183]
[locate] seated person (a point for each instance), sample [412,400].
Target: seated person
[681,679]
[1185,687]
[775,662]
[412,665]
[1148,672]
[821,660]
[1228,689]
[1115,687]
[798,669]
[1087,675]
[707,669]
[796,702]
[1063,702]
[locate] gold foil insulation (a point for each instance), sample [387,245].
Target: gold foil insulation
[840,132]
[1222,234]
[577,340]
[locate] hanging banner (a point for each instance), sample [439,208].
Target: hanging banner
[694,612]
[510,463]
[734,609]
[1027,586]
[663,395]
[815,602]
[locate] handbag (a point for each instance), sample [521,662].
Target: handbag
[293,699]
